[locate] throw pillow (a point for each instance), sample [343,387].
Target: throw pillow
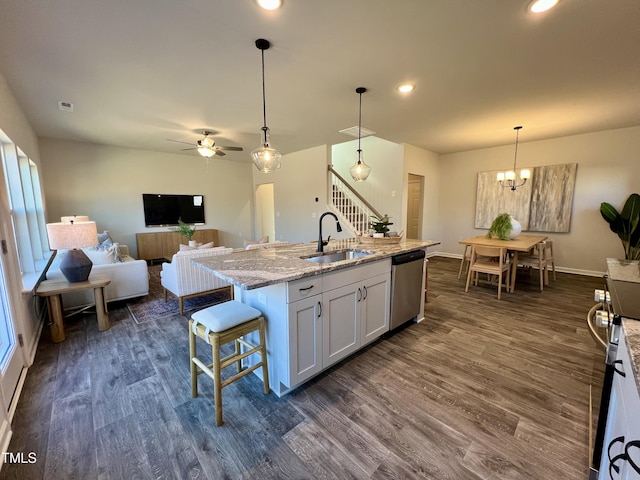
[101,256]
[264,239]
[186,248]
[104,237]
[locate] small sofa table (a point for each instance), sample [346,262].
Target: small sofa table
[53,290]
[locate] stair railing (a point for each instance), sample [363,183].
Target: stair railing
[351,206]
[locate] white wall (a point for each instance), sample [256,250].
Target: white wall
[107,183]
[608,170]
[418,161]
[301,179]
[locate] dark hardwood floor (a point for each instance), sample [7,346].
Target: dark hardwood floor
[483,389]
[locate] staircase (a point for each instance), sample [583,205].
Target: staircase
[354,210]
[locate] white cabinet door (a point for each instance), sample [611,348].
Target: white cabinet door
[375,308]
[305,339]
[341,325]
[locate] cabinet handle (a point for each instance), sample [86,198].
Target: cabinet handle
[319,309]
[365,292]
[621,372]
[359,294]
[305,289]
[630,460]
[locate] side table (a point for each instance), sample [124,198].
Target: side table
[53,290]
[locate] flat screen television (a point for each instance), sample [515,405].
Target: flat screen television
[162,210]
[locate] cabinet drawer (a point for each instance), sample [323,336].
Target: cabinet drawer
[303,288]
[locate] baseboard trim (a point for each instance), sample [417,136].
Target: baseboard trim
[572,271]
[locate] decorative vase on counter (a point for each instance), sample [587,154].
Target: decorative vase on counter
[193,243]
[516,228]
[378,235]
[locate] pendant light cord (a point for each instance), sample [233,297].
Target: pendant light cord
[359,126]
[264,103]
[515,157]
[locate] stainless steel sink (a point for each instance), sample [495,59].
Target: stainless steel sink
[337,256]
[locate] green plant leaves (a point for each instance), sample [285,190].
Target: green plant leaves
[625,224]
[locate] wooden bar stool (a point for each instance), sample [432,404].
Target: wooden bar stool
[219,325]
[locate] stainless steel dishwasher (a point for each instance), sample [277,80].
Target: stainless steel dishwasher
[406,286]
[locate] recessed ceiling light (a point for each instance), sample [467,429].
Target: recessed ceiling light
[538,6]
[270,4]
[406,88]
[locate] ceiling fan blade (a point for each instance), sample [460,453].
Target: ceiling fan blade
[233,149]
[220,153]
[185,149]
[179,141]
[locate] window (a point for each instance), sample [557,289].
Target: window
[26,208]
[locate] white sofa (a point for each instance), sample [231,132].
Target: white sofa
[129,279]
[185,280]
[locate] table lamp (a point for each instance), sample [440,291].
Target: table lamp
[74,218]
[75,265]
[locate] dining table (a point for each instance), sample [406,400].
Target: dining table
[522,243]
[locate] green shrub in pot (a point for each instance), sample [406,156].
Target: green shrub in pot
[625,224]
[185,230]
[501,227]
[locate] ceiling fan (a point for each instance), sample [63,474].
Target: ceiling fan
[207,146]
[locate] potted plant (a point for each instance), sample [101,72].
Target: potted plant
[504,227]
[625,224]
[186,231]
[380,225]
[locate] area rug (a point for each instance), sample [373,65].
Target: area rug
[153,306]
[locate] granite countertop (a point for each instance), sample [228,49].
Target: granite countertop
[632,332]
[249,269]
[628,272]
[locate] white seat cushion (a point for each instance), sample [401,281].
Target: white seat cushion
[224,316]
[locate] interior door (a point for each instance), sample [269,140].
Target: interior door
[414,206]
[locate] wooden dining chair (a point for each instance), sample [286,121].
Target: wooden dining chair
[542,259]
[548,255]
[536,259]
[466,256]
[492,261]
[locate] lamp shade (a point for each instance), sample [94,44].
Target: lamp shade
[74,218]
[72,235]
[75,265]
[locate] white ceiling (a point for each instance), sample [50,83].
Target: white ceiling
[141,72]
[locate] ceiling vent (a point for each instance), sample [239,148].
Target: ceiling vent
[353,132]
[65,106]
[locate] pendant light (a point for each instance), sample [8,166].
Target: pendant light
[508,179]
[267,159]
[360,170]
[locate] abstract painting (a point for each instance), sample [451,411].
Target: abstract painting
[543,204]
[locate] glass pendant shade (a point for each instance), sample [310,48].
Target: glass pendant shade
[265,158]
[360,170]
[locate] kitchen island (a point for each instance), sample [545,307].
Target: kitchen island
[316,313]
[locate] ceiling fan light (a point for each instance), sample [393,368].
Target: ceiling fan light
[206,151]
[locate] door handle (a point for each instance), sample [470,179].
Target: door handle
[305,289]
[365,292]
[359,294]
[319,309]
[630,460]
